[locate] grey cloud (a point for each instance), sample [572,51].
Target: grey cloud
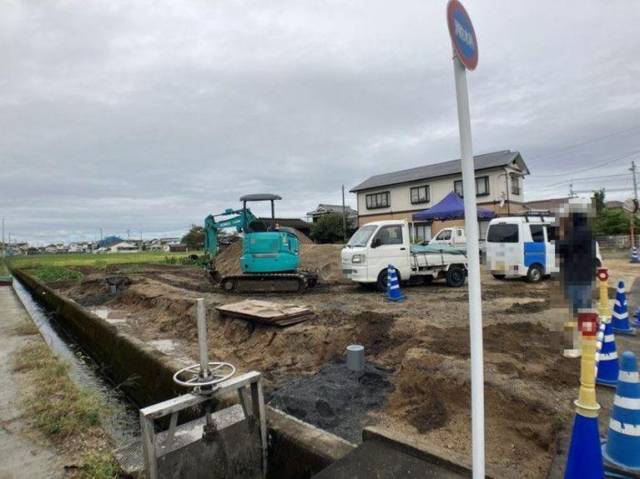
[148,115]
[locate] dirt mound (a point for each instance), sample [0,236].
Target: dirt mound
[528,307]
[433,395]
[303,238]
[324,259]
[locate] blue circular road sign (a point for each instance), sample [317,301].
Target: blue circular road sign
[463,36]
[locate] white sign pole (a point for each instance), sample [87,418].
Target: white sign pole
[473,259]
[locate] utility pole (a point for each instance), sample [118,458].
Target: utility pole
[635,180]
[344,217]
[635,197]
[572,194]
[4,246]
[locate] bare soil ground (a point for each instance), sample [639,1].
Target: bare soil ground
[423,341]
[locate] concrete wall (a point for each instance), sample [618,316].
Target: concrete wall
[144,375]
[616,241]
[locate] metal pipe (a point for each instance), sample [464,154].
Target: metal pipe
[201,315]
[355,358]
[473,258]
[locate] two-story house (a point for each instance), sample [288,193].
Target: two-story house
[400,194]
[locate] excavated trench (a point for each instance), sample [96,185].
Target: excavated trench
[417,383]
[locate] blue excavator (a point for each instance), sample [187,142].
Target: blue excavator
[270,255]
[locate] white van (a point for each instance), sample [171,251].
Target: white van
[522,246]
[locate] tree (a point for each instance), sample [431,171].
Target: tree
[610,221]
[328,228]
[598,197]
[194,239]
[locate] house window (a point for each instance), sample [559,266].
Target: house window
[482,186]
[378,200]
[515,184]
[422,232]
[457,187]
[419,194]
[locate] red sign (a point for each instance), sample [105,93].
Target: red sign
[587,322]
[462,34]
[602,274]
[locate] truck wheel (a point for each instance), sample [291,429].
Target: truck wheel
[535,273]
[427,280]
[455,276]
[381,284]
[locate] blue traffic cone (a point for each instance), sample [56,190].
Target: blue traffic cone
[634,255]
[393,285]
[606,357]
[621,451]
[620,317]
[585,459]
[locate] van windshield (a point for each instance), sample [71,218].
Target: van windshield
[361,237]
[503,233]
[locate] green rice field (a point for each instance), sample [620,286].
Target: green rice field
[96,260]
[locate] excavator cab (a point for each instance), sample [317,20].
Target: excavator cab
[264,248]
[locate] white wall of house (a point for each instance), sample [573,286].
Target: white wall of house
[400,195]
[123,247]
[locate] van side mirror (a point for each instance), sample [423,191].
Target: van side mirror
[375,243]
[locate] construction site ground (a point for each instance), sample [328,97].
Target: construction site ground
[418,352]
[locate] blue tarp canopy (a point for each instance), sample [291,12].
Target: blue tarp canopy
[450,208]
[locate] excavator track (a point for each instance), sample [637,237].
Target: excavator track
[296,282]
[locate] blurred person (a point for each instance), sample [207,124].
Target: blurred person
[576,251]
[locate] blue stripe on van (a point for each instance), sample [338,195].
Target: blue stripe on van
[534,253]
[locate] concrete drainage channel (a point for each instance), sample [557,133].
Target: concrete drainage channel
[123,425]
[296,449]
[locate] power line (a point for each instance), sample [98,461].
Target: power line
[588,178]
[606,189]
[599,165]
[588,142]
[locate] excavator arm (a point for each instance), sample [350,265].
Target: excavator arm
[241,221]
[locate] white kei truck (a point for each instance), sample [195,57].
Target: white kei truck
[450,236]
[375,246]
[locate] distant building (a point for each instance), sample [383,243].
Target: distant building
[122,247]
[300,225]
[176,248]
[499,178]
[614,205]
[548,204]
[51,248]
[325,209]
[109,241]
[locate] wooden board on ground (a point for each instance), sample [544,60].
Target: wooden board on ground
[266,312]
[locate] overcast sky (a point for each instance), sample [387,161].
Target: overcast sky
[148,115]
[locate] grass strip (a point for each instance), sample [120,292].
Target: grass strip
[69,417]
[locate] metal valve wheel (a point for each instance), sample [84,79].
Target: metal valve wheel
[192,376]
